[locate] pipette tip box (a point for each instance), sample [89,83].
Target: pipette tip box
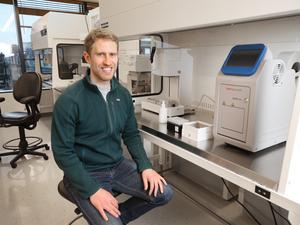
[197,130]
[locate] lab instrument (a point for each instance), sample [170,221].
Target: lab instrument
[254,98]
[173,108]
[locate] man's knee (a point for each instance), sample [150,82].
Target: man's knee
[113,220]
[164,198]
[100,221]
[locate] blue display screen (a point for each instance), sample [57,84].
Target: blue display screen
[244,60]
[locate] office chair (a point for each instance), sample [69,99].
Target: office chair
[27,90]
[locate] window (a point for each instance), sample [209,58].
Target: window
[45,61]
[50,5]
[10,60]
[145,45]
[69,60]
[10,68]
[135,67]
[26,22]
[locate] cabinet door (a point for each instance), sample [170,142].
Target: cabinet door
[233,113]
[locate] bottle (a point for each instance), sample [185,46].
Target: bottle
[163,113]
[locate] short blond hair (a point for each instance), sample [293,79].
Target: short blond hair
[96,34]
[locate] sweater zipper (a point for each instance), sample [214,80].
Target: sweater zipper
[107,110]
[83,155]
[109,115]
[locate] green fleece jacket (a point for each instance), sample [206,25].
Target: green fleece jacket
[86,132]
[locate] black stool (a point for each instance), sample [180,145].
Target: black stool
[64,192]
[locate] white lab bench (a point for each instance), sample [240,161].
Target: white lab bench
[245,169]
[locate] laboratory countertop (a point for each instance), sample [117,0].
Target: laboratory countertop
[263,167]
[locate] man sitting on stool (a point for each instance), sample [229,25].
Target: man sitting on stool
[89,120]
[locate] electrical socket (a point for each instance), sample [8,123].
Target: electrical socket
[262,192]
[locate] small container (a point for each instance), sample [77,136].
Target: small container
[175,124]
[163,117]
[197,130]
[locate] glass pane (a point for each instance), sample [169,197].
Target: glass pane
[28,20]
[28,53]
[49,5]
[10,68]
[70,60]
[145,45]
[45,57]
[26,32]
[135,67]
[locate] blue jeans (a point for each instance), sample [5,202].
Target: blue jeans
[123,178]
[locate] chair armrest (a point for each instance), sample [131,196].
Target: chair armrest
[2,99]
[27,100]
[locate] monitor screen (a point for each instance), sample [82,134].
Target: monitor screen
[244,57]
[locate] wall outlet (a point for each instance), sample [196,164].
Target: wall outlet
[262,192]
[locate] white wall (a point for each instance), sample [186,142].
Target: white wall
[206,49]
[10,104]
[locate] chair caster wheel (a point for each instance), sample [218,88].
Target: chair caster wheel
[47,147]
[13,165]
[46,157]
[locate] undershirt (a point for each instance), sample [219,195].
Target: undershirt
[104,89]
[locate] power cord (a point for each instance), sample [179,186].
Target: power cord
[271,206]
[274,210]
[198,204]
[247,210]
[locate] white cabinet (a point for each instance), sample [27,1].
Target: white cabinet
[138,17]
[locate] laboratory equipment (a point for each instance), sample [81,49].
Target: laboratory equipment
[62,46]
[254,98]
[139,82]
[172,106]
[197,130]
[139,73]
[137,63]
[178,15]
[174,124]
[167,62]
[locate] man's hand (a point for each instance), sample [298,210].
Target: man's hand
[104,201]
[153,181]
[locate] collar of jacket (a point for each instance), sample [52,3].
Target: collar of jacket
[113,82]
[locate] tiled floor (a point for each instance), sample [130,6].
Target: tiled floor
[28,194]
